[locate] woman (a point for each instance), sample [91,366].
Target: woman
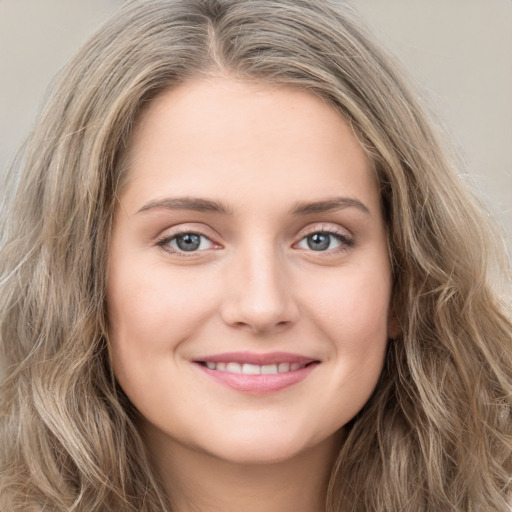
[240,273]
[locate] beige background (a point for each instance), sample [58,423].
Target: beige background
[459,50]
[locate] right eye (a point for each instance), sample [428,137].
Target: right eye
[186,242]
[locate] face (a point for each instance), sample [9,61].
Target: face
[249,282]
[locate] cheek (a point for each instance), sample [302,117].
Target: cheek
[352,306]
[151,313]
[152,310]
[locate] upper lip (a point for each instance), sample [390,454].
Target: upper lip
[255,358]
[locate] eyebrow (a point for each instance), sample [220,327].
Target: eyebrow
[186,203]
[329,205]
[208,206]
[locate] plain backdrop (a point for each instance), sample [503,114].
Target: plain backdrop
[460,51]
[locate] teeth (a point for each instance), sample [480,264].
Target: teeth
[251,369]
[233,368]
[254,369]
[269,369]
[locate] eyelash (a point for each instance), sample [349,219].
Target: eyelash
[345,241]
[168,238]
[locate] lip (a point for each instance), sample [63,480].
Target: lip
[262,383]
[255,358]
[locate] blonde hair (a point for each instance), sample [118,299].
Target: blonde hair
[436,434]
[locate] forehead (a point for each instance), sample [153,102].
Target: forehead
[213,136]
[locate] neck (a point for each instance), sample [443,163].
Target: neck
[199,482]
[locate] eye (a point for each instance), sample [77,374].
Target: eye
[187,242]
[324,241]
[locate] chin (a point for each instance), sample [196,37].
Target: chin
[260,448]
[257,455]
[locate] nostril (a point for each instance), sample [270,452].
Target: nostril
[257,309]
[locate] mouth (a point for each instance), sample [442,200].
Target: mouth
[254,369]
[257,373]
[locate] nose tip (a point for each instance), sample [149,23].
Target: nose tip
[260,300]
[259,319]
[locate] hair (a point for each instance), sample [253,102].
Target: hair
[437,432]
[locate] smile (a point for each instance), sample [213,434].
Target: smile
[257,373]
[254,369]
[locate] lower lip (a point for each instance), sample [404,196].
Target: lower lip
[259,384]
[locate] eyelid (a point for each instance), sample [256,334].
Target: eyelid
[323,227]
[342,234]
[163,239]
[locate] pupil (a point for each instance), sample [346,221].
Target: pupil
[188,242]
[319,241]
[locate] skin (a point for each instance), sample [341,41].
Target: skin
[260,153]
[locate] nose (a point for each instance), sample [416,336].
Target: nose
[259,295]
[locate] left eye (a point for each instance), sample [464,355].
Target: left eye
[189,242]
[320,241]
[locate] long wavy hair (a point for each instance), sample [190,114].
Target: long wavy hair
[437,433]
